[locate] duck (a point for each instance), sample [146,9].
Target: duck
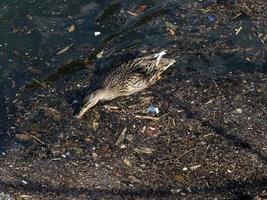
[128,78]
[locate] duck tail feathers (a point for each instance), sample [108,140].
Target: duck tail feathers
[159,55]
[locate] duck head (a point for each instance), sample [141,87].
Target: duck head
[92,99]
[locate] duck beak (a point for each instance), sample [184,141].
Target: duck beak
[90,101]
[82,111]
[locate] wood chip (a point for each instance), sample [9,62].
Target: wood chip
[238,30]
[127,162]
[121,137]
[143,150]
[147,117]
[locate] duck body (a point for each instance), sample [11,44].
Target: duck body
[128,79]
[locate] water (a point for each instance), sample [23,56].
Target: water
[36,40]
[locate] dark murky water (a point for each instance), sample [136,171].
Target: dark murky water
[38,37]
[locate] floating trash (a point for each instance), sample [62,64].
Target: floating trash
[97,33]
[211,18]
[153,110]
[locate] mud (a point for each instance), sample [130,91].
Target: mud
[207,142]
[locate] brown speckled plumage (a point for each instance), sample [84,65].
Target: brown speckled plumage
[129,78]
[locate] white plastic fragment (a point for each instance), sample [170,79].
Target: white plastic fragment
[153,110]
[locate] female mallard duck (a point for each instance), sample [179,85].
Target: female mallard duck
[129,78]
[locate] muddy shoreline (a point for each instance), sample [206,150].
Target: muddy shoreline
[208,140]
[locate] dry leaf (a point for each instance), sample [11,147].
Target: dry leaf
[127,162]
[172,32]
[179,178]
[23,137]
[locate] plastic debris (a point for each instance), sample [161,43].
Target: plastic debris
[97,33]
[153,110]
[211,18]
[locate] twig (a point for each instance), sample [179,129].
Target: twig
[35,80]
[147,117]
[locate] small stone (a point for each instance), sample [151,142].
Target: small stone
[71,28]
[239,111]
[185,169]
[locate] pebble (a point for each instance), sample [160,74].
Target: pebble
[239,111]
[185,169]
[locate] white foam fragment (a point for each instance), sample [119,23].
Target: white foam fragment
[97,33]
